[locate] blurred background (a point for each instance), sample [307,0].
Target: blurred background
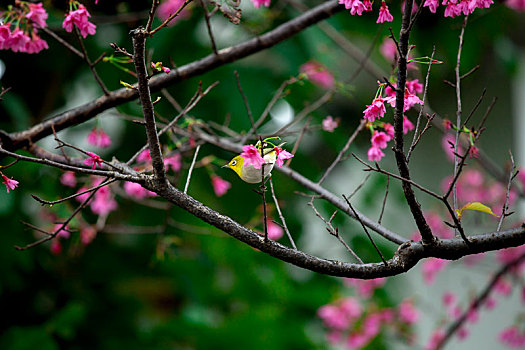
[187,285]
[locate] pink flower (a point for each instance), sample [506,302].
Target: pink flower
[410,100]
[358,7]
[5,34]
[56,247]
[503,287]
[447,124]
[275,232]
[436,337]
[507,255]
[99,138]
[136,190]
[512,337]
[414,86]
[318,74]
[490,303]
[281,156]
[37,14]
[407,312]
[64,231]
[68,179]
[379,139]
[463,333]
[384,14]
[252,156]
[9,183]
[17,41]
[473,315]
[389,129]
[329,124]
[357,341]
[104,202]
[407,125]
[431,267]
[447,142]
[473,152]
[518,5]
[432,5]
[87,235]
[375,154]
[388,49]
[82,197]
[449,299]
[220,186]
[351,307]
[174,162]
[365,288]
[166,69]
[35,45]
[80,19]
[94,160]
[259,3]
[169,7]
[333,317]
[144,157]
[375,110]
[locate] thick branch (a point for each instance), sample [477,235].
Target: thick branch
[401,161]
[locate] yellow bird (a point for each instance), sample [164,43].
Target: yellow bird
[247,172]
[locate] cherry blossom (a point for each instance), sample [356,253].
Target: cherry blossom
[252,156]
[174,162]
[220,186]
[94,160]
[330,124]
[407,312]
[259,3]
[407,125]
[275,232]
[318,74]
[80,19]
[37,14]
[281,156]
[379,139]
[68,179]
[375,110]
[384,14]
[9,183]
[375,154]
[87,235]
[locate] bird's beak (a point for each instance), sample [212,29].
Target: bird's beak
[225,166]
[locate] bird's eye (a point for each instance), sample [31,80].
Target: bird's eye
[233,162]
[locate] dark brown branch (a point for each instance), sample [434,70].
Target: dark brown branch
[404,172]
[139,49]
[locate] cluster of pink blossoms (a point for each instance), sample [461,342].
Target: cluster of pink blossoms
[169,7]
[457,7]
[19,31]
[377,110]
[318,74]
[358,7]
[354,323]
[98,137]
[220,186]
[252,156]
[79,17]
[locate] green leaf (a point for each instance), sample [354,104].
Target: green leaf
[475,206]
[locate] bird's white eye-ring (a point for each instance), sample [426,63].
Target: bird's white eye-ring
[233,162]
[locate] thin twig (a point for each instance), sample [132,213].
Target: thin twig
[281,216]
[50,203]
[246,104]
[459,110]
[168,20]
[62,41]
[191,168]
[343,151]
[334,231]
[360,185]
[479,300]
[384,201]
[91,65]
[366,230]
[512,174]
[416,137]
[151,14]
[208,26]
[299,139]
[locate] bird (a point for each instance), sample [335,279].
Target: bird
[248,173]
